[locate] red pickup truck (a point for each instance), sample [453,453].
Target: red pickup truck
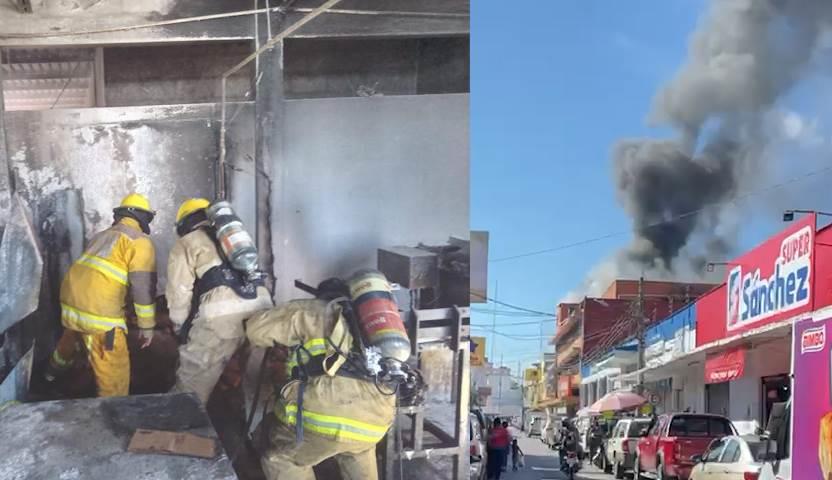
[666,451]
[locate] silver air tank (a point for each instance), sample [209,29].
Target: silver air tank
[234,240]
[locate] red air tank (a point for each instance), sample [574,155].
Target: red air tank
[378,315]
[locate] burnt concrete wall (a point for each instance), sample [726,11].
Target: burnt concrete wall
[166,153]
[175,74]
[363,173]
[327,67]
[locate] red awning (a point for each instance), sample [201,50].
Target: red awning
[725,366]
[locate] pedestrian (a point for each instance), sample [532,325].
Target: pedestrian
[498,441]
[516,455]
[327,409]
[117,264]
[205,291]
[594,440]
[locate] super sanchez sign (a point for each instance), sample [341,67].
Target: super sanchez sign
[766,283]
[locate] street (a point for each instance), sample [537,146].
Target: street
[542,463]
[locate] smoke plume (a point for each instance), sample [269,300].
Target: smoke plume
[744,56]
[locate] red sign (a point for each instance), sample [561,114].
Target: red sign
[770,283]
[725,366]
[813,339]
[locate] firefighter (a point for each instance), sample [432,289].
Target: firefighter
[203,289]
[325,410]
[117,262]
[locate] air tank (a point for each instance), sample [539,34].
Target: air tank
[378,315]
[236,244]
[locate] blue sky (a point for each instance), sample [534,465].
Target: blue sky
[553,85]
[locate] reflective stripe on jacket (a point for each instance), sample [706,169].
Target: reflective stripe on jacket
[340,408]
[220,308]
[94,290]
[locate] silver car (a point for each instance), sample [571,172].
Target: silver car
[479,453]
[621,446]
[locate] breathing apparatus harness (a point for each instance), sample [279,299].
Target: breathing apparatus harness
[223,275]
[356,362]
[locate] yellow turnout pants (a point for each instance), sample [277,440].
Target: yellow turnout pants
[110,367]
[283,459]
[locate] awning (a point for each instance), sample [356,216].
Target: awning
[699,354]
[607,372]
[725,366]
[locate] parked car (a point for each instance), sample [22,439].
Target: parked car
[479,452]
[621,446]
[734,458]
[673,439]
[779,470]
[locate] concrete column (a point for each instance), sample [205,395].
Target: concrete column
[5,180]
[269,117]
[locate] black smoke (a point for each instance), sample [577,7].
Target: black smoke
[745,55]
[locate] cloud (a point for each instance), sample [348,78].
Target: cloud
[793,127]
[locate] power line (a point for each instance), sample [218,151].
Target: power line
[669,220]
[511,337]
[509,313]
[511,324]
[523,309]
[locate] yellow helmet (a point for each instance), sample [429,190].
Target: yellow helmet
[137,201]
[190,206]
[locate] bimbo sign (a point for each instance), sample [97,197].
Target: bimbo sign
[813,340]
[772,280]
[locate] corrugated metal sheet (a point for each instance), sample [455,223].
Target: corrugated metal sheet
[21,267]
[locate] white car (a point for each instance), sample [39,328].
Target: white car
[781,470]
[733,458]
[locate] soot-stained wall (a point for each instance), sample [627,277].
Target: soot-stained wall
[365,173]
[166,153]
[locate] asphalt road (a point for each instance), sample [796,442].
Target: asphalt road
[543,464]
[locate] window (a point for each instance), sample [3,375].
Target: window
[692,426]
[620,429]
[714,451]
[731,453]
[636,427]
[658,426]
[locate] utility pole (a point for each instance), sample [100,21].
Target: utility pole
[494,321]
[500,395]
[640,333]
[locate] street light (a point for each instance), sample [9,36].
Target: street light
[788,215]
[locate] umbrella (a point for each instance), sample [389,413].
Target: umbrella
[586,412]
[617,401]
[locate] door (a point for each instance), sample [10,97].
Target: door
[776,389]
[717,398]
[650,444]
[614,442]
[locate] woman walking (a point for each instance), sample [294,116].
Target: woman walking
[498,442]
